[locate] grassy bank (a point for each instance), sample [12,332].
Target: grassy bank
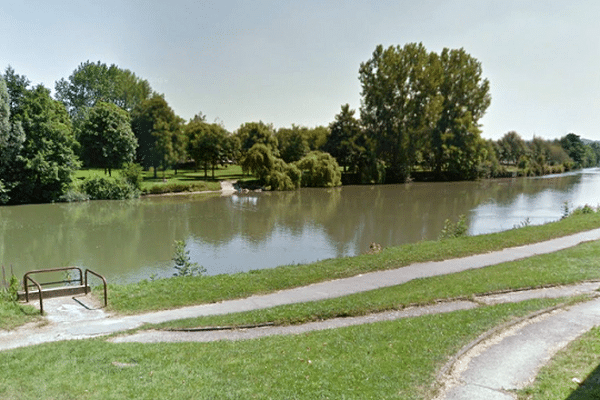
[177,292]
[569,266]
[391,360]
[171,181]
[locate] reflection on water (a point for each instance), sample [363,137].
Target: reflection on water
[132,240]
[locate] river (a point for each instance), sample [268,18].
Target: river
[132,240]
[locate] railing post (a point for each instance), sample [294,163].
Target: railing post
[103,281]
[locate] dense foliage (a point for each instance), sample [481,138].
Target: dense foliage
[418,119]
[106,137]
[36,142]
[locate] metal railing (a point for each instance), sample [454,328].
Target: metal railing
[103,281]
[38,285]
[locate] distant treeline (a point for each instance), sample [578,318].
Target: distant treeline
[419,118]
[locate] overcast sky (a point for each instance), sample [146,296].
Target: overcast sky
[297,62]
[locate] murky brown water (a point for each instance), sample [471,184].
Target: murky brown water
[132,240]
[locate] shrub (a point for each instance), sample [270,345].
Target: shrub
[10,293]
[454,230]
[107,188]
[320,169]
[183,264]
[132,173]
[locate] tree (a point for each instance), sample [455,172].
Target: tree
[574,148]
[11,143]
[17,88]
[316,137]
[456,146]
[320,169]
[208,144]
[512,148]
[106,137]
[292,143]
[93,82]
[159,133]
[43,169]
[400,103]
[344,140]
[271,171]
[252,133]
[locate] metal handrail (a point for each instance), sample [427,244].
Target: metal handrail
[37,271]
[103,281]
[39,291]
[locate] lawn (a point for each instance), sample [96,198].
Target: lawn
[391,360]
[178,181]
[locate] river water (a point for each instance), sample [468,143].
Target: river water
[132,240]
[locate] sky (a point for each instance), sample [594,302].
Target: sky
[296,62]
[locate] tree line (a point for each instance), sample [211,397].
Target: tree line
[419,118]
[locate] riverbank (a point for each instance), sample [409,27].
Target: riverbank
[407,353]
[149,295]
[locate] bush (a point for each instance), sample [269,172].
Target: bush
[10,293]
[183,264]
[454,230]
[320,169]
[132,173]
[107,188]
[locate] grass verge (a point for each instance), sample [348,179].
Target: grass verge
[177,292]
[577,264]
[573,373]
[394,359]
[13,314]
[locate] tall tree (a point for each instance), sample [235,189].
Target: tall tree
[208,144]
[47,159]
[159,132]
[457,146]
[93,82]
[252,133]
[17,88]
[512,147]
[574,148]
[106,137]
[400,103]
[292,143]
[12,138]
[342,142]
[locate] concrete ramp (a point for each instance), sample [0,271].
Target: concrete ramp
[71,308]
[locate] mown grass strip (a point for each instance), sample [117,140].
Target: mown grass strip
[577,264]
[177,292]
[391,360]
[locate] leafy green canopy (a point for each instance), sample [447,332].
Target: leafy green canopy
[209,144]
[159,132]
[423,108]
[93,82]
[36,142]
[106,137]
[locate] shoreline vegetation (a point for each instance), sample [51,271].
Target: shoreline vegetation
[418,120]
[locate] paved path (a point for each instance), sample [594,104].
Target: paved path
[497,367]
[93,323]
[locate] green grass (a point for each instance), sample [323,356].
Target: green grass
[14,314]
[391,360]
[177,292]
[569,266]
[183,181]
[579,360]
